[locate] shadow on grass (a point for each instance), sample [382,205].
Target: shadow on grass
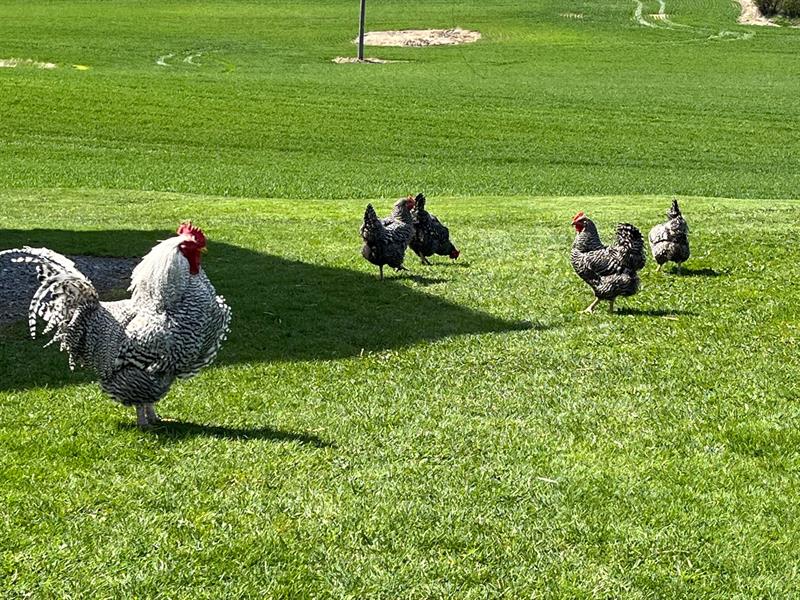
[283,310]
[653,312]
[179,430]
[684,272]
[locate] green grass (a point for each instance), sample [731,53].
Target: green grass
[460,431]
[463,431]
[542,105]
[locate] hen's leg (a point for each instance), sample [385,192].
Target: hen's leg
[658,270]
[590,308]
[425,260]
[381,268]
[150,413]
[141,416]
[611,307]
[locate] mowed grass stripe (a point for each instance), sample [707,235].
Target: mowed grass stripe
[542,105]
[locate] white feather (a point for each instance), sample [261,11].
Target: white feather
[162,275]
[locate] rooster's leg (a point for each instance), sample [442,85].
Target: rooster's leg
[590,308]
[141,416]
[425,260]
[611,307]
[150,413]
[381,268]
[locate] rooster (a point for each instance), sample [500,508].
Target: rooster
[172,326]
[430,236]
[669,241]
[610,271]
[386,240]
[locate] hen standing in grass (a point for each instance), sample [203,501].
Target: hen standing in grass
[385,241]
[669,241]
[172,326]
[610,271]
[430,236]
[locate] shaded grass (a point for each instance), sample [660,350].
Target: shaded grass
[645,454]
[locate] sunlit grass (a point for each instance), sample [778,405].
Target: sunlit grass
[463,431]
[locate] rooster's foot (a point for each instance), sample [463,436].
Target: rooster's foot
[146,415]
[152,415]
[590,309]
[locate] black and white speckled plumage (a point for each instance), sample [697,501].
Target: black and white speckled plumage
[430,236]
[172,326]
[669,241]
[610,271]
[386,240]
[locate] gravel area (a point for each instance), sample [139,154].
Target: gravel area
[18,281]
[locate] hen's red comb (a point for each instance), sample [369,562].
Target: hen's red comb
[578,217]
[186,228]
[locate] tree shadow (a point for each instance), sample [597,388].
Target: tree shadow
[654,312]
[684,272]
[421,279]
[180,430]
[283,310]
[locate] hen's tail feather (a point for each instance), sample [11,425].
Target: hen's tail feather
[631,243]
[674,210]
[63,291]
[372,230]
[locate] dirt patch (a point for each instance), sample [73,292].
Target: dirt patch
[752,16]
[345,60]
[18,281]
[420,37]
[12,63]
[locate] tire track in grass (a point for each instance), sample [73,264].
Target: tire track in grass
[162,60]
[638,15]
[189,58]
[664,22]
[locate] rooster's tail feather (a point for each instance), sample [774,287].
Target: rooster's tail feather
[62,293]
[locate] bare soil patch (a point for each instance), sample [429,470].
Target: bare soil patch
[344,60]
[420,37]
[12,63]
[752,16]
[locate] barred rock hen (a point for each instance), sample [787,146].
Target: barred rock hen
[172,325]
[385,241]
[669,241]
[430,236]
[610,271]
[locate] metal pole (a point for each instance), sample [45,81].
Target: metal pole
[361,30]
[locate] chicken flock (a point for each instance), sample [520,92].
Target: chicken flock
[174,323]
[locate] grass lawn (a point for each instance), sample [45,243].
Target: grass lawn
[457,431]
[545,104]
[461,430]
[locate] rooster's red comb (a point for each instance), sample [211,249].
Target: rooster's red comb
[186,228]
[578,217]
